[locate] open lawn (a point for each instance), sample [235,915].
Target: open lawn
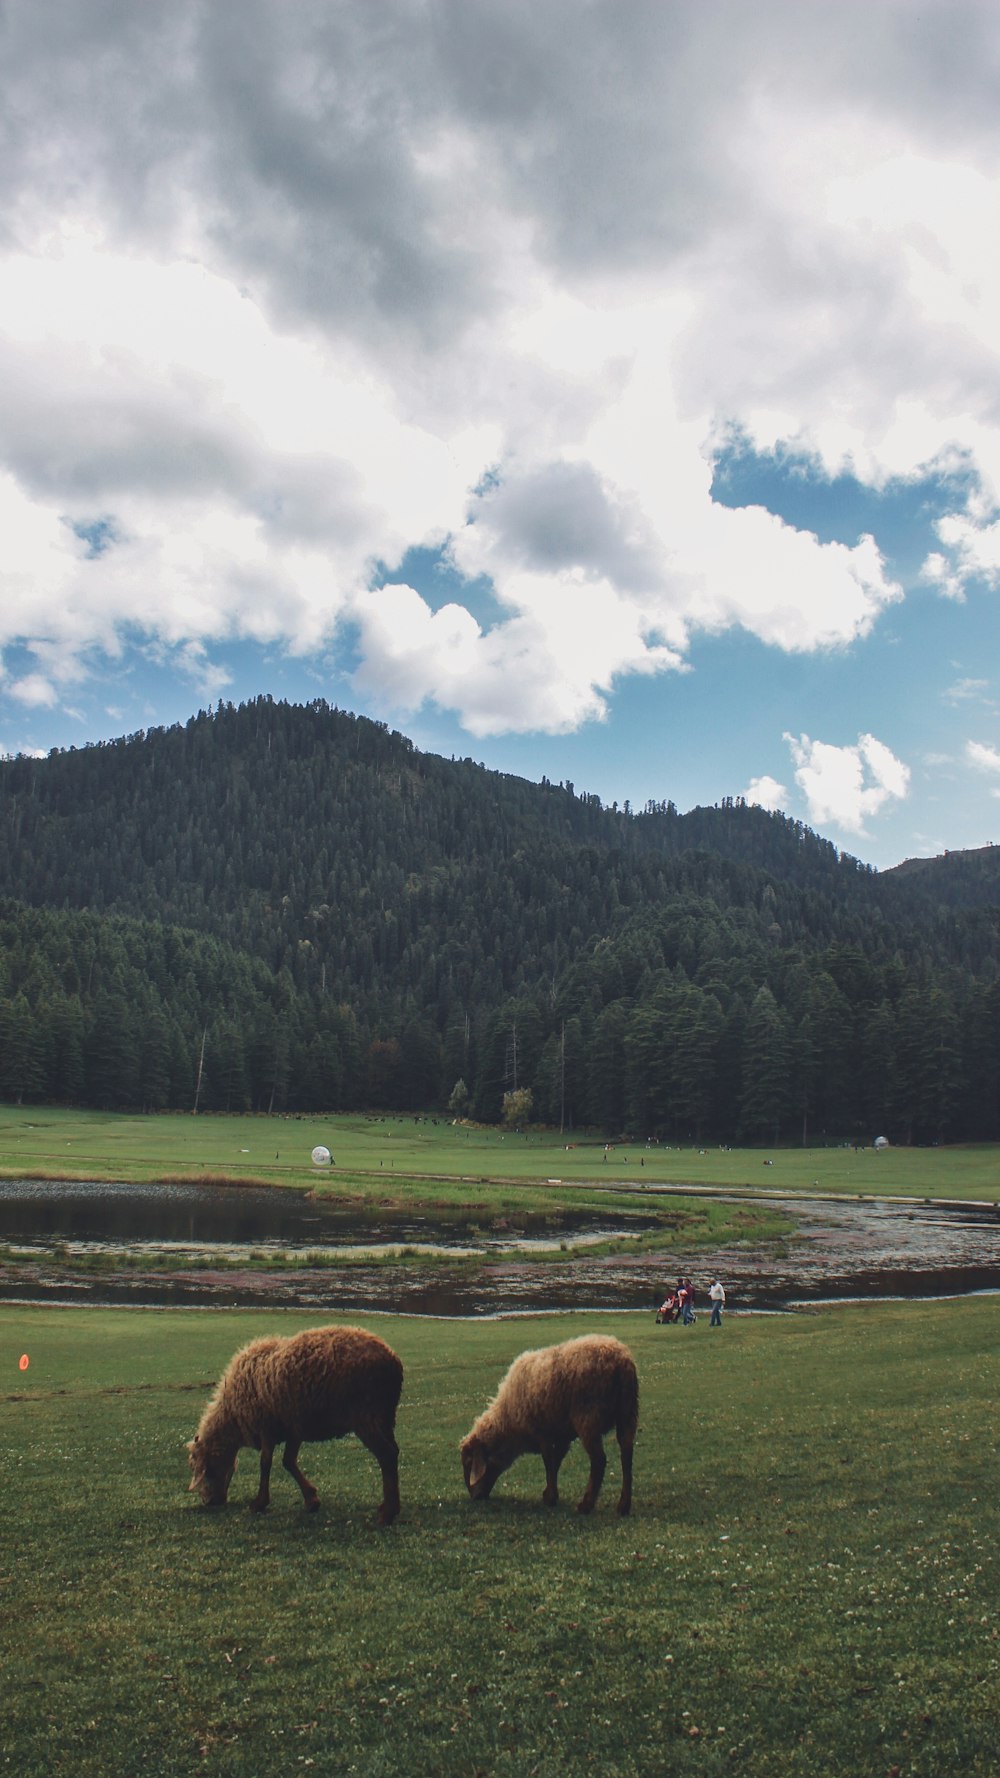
[427,1161]
[808,1586]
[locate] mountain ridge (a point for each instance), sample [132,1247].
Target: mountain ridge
[406,922]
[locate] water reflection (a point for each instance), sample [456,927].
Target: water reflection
[860,1248]
[233,1216]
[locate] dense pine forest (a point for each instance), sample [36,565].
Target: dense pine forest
[282,908]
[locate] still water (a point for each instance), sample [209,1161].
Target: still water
[841,1250]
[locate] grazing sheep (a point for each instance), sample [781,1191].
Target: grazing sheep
[581,1389]
[296,1390]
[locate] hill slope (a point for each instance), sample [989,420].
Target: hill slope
[969,879]
[398,921]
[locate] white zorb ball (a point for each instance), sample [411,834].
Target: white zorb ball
[321,1157]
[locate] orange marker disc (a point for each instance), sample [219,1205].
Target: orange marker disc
[22,1363]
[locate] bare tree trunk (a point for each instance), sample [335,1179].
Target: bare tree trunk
[201,1064]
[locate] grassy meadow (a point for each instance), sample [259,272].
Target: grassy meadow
[808,1585]
[434,1161]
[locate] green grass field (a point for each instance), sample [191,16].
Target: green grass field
[447,1164]
[808,1585]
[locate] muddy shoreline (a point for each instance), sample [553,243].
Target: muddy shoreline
[841,1250]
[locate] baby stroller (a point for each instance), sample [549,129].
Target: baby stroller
[669,1310]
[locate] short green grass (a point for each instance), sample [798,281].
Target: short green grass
[808,1585]
[423,1161]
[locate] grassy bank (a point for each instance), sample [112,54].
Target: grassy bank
[808,1585]
[688,1225]
[436,1162]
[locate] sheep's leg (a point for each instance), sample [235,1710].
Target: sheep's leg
[553,1453]
[264,1491]
[593,1444]
[625,1498]
[383,1447]
[291,1463]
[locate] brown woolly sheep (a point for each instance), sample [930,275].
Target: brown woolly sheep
[296,1390]
[581,1389]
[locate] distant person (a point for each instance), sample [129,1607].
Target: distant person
[717,1297]
[687,1311]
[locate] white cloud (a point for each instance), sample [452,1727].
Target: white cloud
[974,554]
[984,758]
[34,690]
[280,289]
[940,572]
[847,785]
[968,691]
[546,667]
[766,793]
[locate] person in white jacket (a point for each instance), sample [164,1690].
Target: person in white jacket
[717,1297]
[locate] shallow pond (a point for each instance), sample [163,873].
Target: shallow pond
[841,1250]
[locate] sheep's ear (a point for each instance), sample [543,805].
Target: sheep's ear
[478,1468]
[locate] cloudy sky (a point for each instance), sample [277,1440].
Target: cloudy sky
[603,389]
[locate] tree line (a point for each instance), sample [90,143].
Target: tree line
[278,907]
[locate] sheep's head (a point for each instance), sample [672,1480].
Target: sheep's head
[481,1467]
[211,1472]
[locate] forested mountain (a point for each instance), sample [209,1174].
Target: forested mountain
[281,907]
[958,879]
